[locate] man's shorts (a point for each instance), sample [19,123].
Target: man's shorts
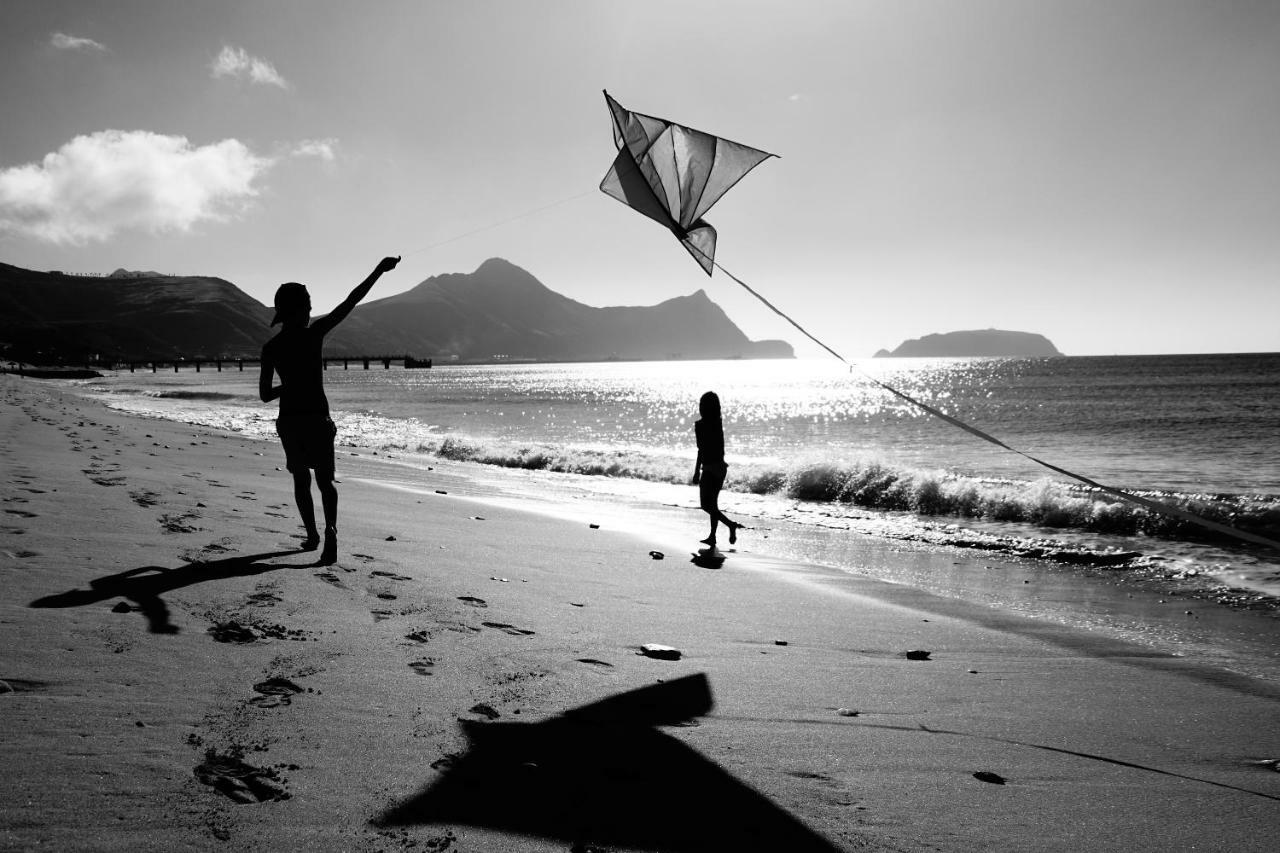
[308,443]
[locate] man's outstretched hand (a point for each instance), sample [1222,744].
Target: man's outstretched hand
[387,264]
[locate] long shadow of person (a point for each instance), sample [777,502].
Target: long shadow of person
[145,584]
[602,774]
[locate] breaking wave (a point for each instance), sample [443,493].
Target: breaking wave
[875,484]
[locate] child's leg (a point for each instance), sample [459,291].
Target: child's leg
[306,506]
[329,501]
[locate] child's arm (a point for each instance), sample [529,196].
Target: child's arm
[337,315]
[265,389]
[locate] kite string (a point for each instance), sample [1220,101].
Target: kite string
[500,223]
[1147,503]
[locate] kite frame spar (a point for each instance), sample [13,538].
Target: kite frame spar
[674,174]
[661,161]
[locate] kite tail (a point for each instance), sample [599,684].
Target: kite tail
[1154,506]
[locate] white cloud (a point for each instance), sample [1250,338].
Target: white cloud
[236,62]
[114,180]
[62,41]
[324,149]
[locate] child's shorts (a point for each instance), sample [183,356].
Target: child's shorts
[308,443]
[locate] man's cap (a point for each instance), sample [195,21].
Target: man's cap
[290,296]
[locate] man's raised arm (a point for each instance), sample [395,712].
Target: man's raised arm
[337,315]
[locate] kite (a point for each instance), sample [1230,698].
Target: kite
[673,174]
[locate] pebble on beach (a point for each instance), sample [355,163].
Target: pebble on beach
[659,651]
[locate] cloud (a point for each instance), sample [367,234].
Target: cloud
[62,41]
[236,62]
[324,149]
[114,180]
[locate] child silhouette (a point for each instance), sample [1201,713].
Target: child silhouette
[304,425]
[710,469]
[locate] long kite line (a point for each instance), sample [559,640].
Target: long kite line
[499,223]
[1154,506]
[674,174]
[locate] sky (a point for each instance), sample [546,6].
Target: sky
[1103,173]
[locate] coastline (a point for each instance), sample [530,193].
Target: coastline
[127,736]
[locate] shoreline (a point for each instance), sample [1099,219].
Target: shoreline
[1224,571]
[1144,601]
[819,727]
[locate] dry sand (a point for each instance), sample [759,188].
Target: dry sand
[177,676]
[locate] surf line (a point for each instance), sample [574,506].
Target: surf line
[1147,503]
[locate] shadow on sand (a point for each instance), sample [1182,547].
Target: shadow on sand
[602,774]
[145,584]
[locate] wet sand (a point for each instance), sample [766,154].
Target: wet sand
[177,675]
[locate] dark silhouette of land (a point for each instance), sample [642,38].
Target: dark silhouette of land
[498,312]
[975,344]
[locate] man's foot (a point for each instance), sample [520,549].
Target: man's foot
[710,540]
[311,542]
[733,533]
[329,555]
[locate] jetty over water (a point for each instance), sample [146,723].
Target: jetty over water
[201,363]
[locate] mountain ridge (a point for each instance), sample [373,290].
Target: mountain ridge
[499,311]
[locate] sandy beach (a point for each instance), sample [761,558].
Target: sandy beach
[469,676]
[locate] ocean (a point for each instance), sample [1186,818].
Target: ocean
[816,449]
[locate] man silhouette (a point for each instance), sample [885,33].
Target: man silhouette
[304,425]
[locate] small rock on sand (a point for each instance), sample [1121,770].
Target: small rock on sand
[917,654]
[846,712]
[986,776]
[657,555]
[659,651]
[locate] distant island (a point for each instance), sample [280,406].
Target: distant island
[497,313]
[978,343]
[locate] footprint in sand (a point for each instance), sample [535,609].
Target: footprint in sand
[473,601]
[21,513]
[275,693]
[422,636]
[232,632]
[19,555]
[144,497]
[381,615]
[379,573]
[507,628]
[331,578]
[243,783]
[423,666]
[178,522]
[596,662]
[386,596]
[265,598]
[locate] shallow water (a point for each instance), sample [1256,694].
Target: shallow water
[809,439]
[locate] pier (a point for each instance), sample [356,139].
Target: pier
[201,363]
